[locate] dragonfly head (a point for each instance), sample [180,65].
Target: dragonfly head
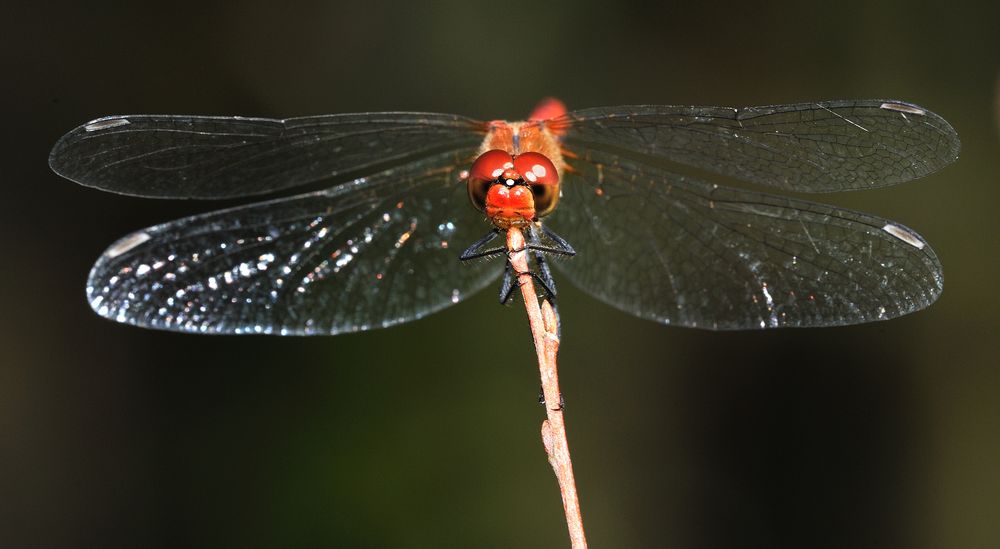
[513,190]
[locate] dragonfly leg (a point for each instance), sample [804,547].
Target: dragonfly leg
[545,273]
[510,276]
[538,249]
[507,286]
[561,246]
[475,251]
[550,292]
[549,283]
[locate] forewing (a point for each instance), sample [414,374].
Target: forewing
[371,253]
[685,252]
[808,147]
[162,156]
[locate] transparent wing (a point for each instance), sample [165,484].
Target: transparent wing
[367,254]
[222,157]
[809,147]
[685,252]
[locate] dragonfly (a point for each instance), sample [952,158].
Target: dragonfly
[362,221]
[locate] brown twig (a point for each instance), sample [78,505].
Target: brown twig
[544,331]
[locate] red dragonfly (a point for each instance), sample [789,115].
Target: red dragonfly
[640,194]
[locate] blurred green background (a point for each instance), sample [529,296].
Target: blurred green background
[426,435]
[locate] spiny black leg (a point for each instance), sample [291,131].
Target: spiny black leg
[473,252]
[507,286]
[549,283]
[545,274]
[534,244]
[509,279]
[557,250]
[561,246]
[549,291]
[566,248]
[548,250]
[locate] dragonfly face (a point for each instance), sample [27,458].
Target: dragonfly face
[513,190]
[650,238]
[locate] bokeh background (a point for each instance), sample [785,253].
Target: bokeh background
[426,435]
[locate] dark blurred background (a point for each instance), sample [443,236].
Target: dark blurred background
[426,435]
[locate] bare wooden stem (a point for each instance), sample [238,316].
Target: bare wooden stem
[544,331]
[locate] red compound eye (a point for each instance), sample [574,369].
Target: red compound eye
[491,165]
[536,169]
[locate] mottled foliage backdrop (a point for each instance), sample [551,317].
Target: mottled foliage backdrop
[426,435]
